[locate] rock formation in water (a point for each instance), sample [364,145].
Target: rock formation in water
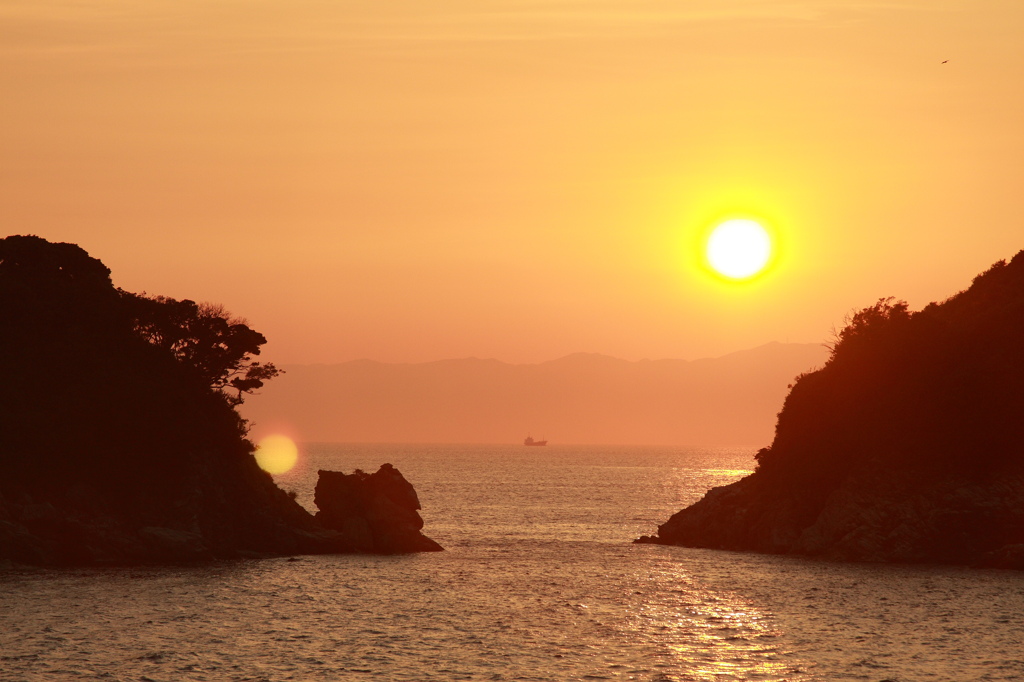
[119,439]
[907,446]
[375,513]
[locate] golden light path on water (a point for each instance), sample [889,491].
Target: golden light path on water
[277,454]
[711,633]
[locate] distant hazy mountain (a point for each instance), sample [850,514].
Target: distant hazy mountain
[581,398]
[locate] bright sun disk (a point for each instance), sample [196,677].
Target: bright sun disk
[277,454]
[739,248]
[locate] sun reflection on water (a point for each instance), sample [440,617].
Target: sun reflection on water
[711,634]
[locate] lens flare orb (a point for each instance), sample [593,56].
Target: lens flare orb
[739,248]
[277,454]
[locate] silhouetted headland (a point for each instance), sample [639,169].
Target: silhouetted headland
[119,438]
[907,446]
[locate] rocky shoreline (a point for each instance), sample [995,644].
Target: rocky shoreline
[868,518]
[368,513]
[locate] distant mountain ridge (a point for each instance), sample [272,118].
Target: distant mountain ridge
[579,398]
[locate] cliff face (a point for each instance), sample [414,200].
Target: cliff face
[119,441]
[908,445]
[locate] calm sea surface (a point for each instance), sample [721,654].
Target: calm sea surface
[540,582]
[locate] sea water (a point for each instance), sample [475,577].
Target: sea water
[539,582]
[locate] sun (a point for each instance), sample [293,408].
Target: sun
[277,454]
[739,248]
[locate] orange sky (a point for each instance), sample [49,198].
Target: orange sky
[409,180]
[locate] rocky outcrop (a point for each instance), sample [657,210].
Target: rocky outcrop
[873,518]
[375,513]
[77,524]
[907,446]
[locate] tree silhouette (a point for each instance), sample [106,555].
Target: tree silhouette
[204,338]
[864,326]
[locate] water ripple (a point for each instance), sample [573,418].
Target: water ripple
[539,583]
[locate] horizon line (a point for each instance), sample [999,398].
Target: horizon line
[556,359]
[557,445]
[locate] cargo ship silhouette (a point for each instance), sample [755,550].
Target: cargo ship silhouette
[530,441]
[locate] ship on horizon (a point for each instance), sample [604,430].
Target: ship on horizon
[530,441]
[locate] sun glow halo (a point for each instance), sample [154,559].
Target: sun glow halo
[739,248]
[277,454]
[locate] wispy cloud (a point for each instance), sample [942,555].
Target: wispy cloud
[64,26]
